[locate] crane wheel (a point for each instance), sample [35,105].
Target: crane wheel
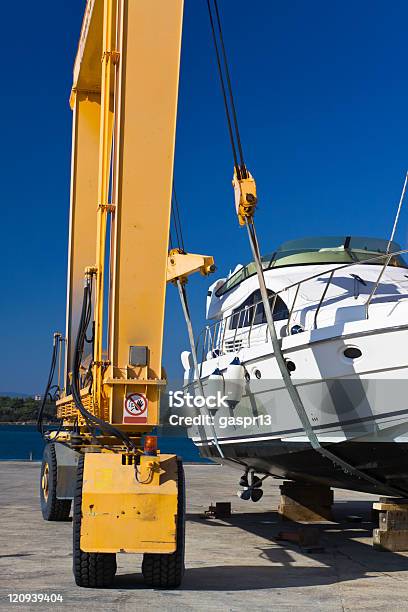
[90,569]
[52,508]
[166,571]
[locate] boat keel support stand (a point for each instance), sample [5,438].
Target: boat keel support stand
[392,532]
[308,503]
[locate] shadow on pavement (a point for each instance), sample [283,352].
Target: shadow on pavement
[344,555]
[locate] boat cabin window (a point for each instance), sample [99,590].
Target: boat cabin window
[318,251]
[252,311]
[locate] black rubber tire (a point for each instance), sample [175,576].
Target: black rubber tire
[166,571]
[90,569]
[52,509]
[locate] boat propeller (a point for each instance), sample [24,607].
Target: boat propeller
[251,487]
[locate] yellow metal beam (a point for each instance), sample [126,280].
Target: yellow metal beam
[87,71]
[128,65]
[146,117]
[108,60]
[82,227]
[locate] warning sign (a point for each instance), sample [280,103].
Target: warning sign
[135,409]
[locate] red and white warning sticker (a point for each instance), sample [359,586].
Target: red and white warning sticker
[135,408]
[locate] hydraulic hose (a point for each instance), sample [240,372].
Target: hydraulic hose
[40,426]
[91,420]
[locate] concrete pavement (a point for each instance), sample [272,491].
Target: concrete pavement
[232,564]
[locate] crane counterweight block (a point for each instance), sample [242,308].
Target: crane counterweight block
[129,508]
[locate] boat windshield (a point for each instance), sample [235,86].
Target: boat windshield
[321,250]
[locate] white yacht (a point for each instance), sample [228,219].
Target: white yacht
[340,310]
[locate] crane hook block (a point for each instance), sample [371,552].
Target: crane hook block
[245,197]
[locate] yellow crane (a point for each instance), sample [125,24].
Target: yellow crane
[128,497]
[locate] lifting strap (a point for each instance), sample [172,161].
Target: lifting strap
[184,303]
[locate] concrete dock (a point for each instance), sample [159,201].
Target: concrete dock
[232,564]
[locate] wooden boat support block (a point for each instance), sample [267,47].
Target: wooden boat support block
[392,532]
[385,504]
[394,541]
[305,503]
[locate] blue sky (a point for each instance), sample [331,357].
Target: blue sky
[321,93]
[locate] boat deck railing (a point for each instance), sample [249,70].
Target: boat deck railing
[241,330]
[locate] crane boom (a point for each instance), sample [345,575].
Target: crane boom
[125,110]
[130,98]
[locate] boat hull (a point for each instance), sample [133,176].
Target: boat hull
[386,461]
[359,411]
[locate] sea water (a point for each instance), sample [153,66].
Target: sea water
[24,443]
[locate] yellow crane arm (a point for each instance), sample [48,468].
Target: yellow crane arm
[124,101]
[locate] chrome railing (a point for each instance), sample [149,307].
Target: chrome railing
[245,332]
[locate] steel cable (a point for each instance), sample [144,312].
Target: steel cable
[223,90]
